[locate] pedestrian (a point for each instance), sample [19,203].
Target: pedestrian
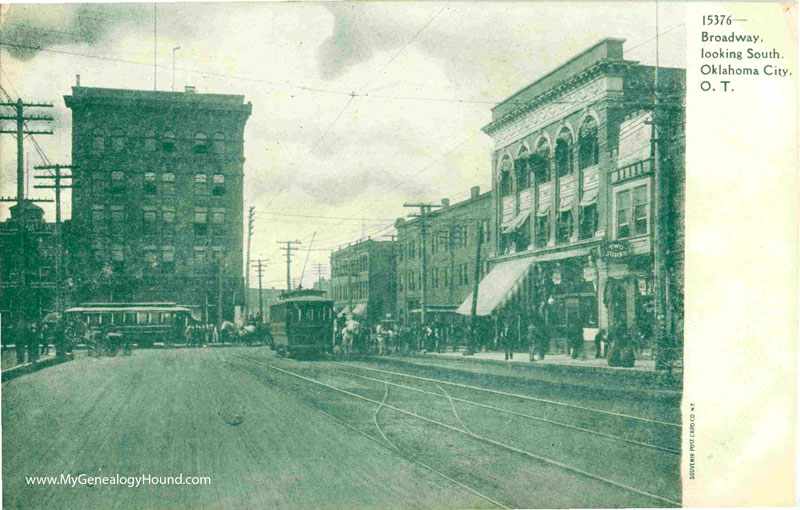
[600,344]
[508,340]
[20,340]
[576,340]
[531,338]
[33,337]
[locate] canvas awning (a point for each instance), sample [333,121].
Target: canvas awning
[543,209]
[589,197]
[566,204]
[344,312]
[515,222]
[360,309]
[498,286]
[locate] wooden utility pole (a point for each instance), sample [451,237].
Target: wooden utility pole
[423,210]
[288,249]
[247,264]
[57,176]
[475,286]
[257,265]
[20,131]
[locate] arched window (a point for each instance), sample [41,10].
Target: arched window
[117,140]
[168,141]
[588,150]
[219,143]
[200,143]
[150,141]
[98,139]
[505,176]
[541,162]
[564,153]
[522,172]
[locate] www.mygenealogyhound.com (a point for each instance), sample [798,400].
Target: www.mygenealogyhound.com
[119,480]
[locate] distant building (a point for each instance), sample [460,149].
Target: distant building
[323,284]
[363,281]
[451,243]
[28,250]
[157,199]
[268,296]
[577,198]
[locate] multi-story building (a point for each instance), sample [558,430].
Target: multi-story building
[451,237]
[28,250]
[583,193]
[362,279]
[157,199]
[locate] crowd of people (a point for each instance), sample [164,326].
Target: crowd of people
[32,339]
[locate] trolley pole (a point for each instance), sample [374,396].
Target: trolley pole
[247,263]
[473,315]
[257,265]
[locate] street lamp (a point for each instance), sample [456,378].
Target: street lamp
[176,48]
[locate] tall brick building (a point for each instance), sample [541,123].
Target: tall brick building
[157,199]
[451,238]
[578,201]
[362,279]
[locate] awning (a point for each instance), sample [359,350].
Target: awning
[498,286]
[589,197]
[360,309]
[566,204]
[344,311]
[543,209]
[516,222]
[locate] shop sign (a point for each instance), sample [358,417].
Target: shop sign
[616,250]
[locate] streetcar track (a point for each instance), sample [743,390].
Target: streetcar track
[515,395]
[516,413]
[375,419]
[393,447]
[455,413]
[487,440]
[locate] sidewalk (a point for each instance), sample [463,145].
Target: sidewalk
[641,365]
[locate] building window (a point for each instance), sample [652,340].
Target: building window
[522,172]
[485,234]
[117,253]
[151,256]
[623,214]
[400,283]
[98,139]
[466,273]
[200,221]
[411,281]
[149,186]
[200,143]
[168,183]
[588,224]
[588,150]
[117,219]
[564,153]
[117,140]
[464,235]
[412,252]
[117,182]
[150,141]
[219,143]
[632,212]
[99,183]
[542,230]
[150,221]
[98,219]
[564,227]
[168,220]
[200,260]
[540,162]
[218,219]
[505,176]
[219,185]
[200,185]
[216,255]
[435,278]
[168,141]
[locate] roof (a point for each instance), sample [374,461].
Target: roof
[303,299]
[130,309]
[98,96]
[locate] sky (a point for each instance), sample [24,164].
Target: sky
[321,163]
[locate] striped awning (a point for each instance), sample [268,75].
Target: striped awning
[360,309]
[500,285]
[344,312]
[589,197]
[515,222]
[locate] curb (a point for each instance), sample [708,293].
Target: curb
[29,368]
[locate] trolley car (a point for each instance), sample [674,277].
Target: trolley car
[141,323]
[302,323]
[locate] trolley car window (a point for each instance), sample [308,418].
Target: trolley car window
[94,318]
[116,318]
[130,318]
[105,318]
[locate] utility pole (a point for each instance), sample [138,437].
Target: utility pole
[423,210]
[20,131]
[288,249]
[473,315]
[257,265]
[220,263]
[57,186]
[247,264]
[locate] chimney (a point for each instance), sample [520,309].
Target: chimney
[445,203]
[190,89]
[77,80]
[474,192]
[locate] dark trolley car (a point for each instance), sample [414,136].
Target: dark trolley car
[140,323]
[302,323]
